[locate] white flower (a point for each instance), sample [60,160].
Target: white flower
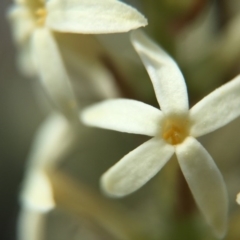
[174,129]
[31,224]
[33,22]
[53,140]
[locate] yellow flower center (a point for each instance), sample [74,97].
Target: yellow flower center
[41,14]
[175,130]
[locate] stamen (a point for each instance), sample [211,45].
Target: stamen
[175,130]
[41,16]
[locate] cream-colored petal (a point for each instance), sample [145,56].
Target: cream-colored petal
[238,198]
[22,23]
[53,138]
[91,72]
[217,109]
[167,79]
[92,16]
[100,79]
[136,168]
[52,72]
[31,225]
[124,115]
[37,192]
[206,183]
[25,62]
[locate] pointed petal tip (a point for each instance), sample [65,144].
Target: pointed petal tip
[141,21]
[206,184]
[88,116]
[108,188]
[220,226]
[220,233]
[83,116]
[39,208]
[37,193]
[93,17]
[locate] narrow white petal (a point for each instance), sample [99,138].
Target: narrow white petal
[238,198]
[206,183]
[136,168]
[93,16]
[31,225]
[167,79]
[217,109]
[88,67]
[25,62]
[52,71]
[37,192]
[53,138]
[22,23]
[124,115]
[101,80]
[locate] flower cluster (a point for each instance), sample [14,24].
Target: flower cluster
[39,28]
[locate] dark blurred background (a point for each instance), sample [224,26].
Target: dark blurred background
[19,117]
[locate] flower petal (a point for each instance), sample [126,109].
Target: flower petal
[136,168]
[22,23]
[25,62]
[167,79]
[206,183]
[53,139]
[124,115]
[52,71]
[238,198]
[217,109]
[37,192]
[86,65]
[31,225]
[93,16]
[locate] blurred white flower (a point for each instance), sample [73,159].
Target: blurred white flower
[174,129]
[53,140]
[33,22]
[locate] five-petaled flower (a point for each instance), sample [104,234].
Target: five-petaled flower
[33,22]
[174,129]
